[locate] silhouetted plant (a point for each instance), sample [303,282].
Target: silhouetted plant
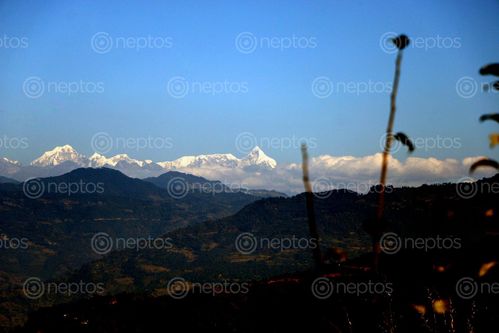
[401,41]
[309,197]
[404,139]
[490,69]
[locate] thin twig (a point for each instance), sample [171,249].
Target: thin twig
[386,154]
[309,196]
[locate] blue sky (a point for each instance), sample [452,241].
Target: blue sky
[278,101]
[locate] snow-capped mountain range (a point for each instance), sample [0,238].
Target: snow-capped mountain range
[66,158]
[256,170]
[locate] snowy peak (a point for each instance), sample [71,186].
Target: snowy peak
[124,158]
[9,167]
[6,161]
[98,160]
[257,157]
[60,155]
[211,160]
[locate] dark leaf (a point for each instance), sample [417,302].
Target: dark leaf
[404,139]
[401,41]
[490,69]
[490,116]
[485,162]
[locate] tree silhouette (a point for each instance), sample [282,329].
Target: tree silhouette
[490,69]
[401,41]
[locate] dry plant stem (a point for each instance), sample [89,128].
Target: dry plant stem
[386,154]
[309,196]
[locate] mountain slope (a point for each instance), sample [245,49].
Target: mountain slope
[5,180]
[208,252]
[60,221]
[174,181]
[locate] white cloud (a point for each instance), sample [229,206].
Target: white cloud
[355,173]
